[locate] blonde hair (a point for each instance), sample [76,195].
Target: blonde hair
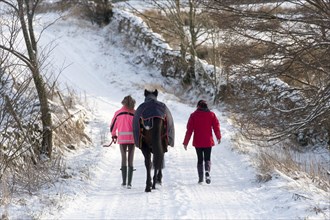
[129,102]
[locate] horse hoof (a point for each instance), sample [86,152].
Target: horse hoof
[147,190]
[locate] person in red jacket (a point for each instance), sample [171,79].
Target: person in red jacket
[121,129]
[201,122]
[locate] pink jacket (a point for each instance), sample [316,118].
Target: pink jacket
[122,126]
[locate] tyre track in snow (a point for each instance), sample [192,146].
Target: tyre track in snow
[232,189]
[224,193]
[95,202]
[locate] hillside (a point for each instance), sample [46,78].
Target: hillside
[102,68]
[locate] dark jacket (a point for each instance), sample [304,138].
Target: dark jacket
[201,122]
[151,108]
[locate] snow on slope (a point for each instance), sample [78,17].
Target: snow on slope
[104,72]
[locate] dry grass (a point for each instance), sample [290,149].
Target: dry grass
[242,53]
[292,164]
[298,74]
[224,20]
[279,157]
[271,10]
[60,6]
[162,25]
[28,177]
[69,124]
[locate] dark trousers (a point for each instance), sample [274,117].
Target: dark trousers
[204,155]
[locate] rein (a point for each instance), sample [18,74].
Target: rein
[109,145]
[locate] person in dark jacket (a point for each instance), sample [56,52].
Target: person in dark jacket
[121,129]
[201,122]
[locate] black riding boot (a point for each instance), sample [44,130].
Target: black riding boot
[207,172]
[130,176]
[200,173]
[124,174]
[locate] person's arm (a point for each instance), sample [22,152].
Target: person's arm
[216,128]
[189,131]
[113,125]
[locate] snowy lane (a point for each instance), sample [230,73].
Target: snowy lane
[105,74]
[180,197]
[223,198]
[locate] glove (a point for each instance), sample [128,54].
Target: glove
[219,141]
[114,139]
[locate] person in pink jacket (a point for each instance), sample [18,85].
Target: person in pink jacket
[201,122]
[121,129]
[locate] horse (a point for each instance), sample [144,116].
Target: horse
[153,130]
[153,144]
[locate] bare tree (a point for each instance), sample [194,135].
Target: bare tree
[98,11]
[284,74]
[182,23]
[19,132]
[21,17]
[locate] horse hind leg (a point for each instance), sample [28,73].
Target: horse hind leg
[154,179]
[148,186]
[159,177]
[147,163]
[148,181]
[157,149]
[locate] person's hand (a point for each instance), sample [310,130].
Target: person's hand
[114,139]
[219,141]
[185,146]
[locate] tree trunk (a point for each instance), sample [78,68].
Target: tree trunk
[26,12]
[46,117]
[193,38]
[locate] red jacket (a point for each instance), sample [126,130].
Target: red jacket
[201,122]
[122,125]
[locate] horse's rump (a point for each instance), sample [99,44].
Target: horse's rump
[144,120]
[153,133]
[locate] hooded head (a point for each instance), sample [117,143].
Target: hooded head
[129,102]
[148,92]
[202,104]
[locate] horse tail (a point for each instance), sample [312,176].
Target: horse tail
[157,147]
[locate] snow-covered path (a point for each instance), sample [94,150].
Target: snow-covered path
[104,73]
[230,196]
